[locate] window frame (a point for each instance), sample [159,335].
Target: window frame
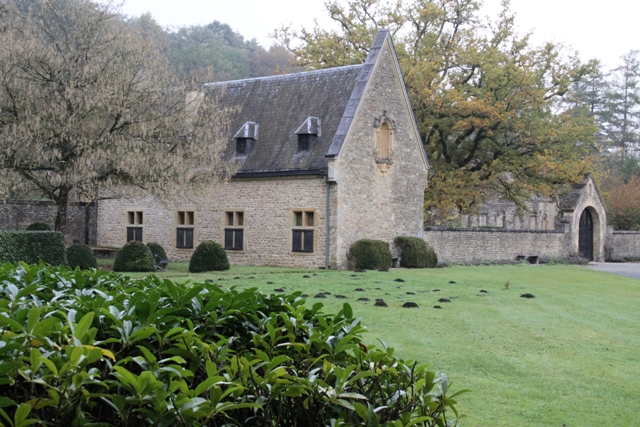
[233,230]
[303,231]
[185,229]
[135,226]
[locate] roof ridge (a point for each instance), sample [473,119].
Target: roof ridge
[283,76]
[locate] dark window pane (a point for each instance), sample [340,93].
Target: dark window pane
[239,238]
[297,241]
[228,239]
[188,238]
[308,241]
[134,233]
[184,238]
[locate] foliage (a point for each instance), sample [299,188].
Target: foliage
[89,347]
[81,256]
[623,204]
[38,226]
[32,246]
[623,104]
[487,102]
[415,253]
[134,256]
[369,255]
[157,249]
[208,256]
[88,105]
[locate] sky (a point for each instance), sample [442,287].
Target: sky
[596,29]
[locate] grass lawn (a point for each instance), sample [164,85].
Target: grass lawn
[568,357]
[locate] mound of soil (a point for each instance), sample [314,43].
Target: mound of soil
[453,282]
[320,295]
[270,283]
[278,290]
[436,290]
[411,293]
[444,300]
[527,296]
[410,304]
[436,306]
[363,299]
[398,280]
[378,289]
[381,303]
[236,278]
[379,299]
[305,295]
[341,296]
[359,290]
[482,291]
[306,277]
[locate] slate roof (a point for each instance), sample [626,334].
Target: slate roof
[280,105]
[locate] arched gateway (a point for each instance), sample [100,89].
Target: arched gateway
[585,235]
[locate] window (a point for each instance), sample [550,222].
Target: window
[234,230]
[241,146]
[384,142]
[384,150]
[305,140]
[134,228]
[303,231]
[184,231]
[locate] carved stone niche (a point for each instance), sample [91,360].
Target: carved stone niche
[383,153]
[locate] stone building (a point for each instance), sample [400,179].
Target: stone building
[325,158]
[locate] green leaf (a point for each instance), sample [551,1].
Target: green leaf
[21,415]
[83,325]
[348,312]
[43,326]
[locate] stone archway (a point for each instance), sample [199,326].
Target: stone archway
[589,235]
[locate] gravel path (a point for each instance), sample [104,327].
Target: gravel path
[629,269]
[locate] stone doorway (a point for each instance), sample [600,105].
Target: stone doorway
[585,235]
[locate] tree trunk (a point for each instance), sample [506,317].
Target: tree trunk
[62,203]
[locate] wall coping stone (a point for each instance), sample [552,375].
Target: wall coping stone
[492,230]
[626,232]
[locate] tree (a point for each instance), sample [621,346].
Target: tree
[623,203]
[623,120]
[88,104]
[486,101]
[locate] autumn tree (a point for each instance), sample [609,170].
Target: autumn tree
[487,102]
[87,105]
[623,203]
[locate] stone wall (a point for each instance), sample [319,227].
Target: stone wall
[18,214]
[378,200]
[624,245]
[267,204]
[487,244]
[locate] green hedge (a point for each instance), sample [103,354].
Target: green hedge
[369,255]
[208,256]
[32,246]
[134,257]
[415,253]
[91,347]
[81,256]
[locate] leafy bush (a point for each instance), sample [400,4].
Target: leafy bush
[369,255]
[32,246]
[208,256]
[157,249]
[94,347]
[415,253]
[81,256]
[38,226]
[134,256]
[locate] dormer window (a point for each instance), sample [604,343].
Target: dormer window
[245,137]
[308,132]
[305,140]
[241,146]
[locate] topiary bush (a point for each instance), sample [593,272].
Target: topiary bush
[157,249]
[208,256]
[81,256]
[38,226]
[134,256]
[369,255]
[31,247]
[415,253]
[93,347]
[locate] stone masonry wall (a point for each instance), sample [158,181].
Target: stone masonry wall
[18,214]
[467,245]
[624,244]
[372,203]
[267,205]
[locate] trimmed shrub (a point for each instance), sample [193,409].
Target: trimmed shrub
[134,256]
[157,249]
[81,256]
[32,246]
[38,226]
[415,253]
[369,255]
[208,256]
[122,352]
